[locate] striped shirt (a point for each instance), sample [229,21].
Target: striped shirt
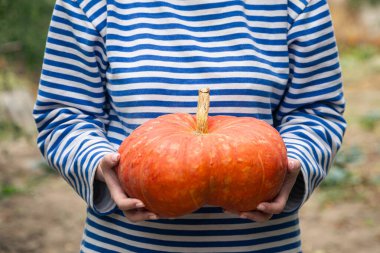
[111,65]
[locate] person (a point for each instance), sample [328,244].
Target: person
[111,65]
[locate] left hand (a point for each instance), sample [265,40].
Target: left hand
[265,210]
[132,208]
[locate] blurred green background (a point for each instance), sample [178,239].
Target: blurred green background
[342,216]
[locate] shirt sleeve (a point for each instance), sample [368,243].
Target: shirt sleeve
[310,116]
[70,110]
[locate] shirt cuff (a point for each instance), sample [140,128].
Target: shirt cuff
[100,197]
[102,201]
[300,191]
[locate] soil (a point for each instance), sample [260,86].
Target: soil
[42,214]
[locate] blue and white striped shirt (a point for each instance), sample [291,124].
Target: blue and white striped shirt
[111,65]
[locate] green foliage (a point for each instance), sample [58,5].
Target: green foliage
[8,191]
[27,182]
[23,29]
[360,53]
[339,175]
[341,184]
[370,121]
[9,130]
[334,195]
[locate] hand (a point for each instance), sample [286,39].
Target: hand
[265,210]
[132,208]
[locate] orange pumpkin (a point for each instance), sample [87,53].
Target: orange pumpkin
[177,163]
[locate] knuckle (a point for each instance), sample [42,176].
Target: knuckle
[269,217]
[134,218]
[106,161]
[125,206]
[261,218]
[119,204]
[130,217]
[123,203]
[104,167]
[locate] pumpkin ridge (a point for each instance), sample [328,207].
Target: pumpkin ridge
[144,198]
[263,174]
[177,120]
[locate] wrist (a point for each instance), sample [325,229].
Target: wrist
[99,174]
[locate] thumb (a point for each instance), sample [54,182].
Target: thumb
[293,166]
[108,162]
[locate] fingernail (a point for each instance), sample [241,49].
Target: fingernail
[153,217]
[115,157]
[140,205]
[243,216]
[261,207]
[291,165]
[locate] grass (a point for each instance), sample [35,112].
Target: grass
[7,191]
[343,183]
[360,52]
[370,121]
[33,180]
[339,174]
[9,130]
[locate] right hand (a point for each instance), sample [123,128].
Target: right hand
[133,209]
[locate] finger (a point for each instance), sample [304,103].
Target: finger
[118,195]
[279,203]
[108,161]
[275,207]
[256,216]
[138,215]
[294,166]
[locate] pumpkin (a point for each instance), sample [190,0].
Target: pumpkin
[177,163]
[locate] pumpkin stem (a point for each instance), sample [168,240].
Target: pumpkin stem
[202,111]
